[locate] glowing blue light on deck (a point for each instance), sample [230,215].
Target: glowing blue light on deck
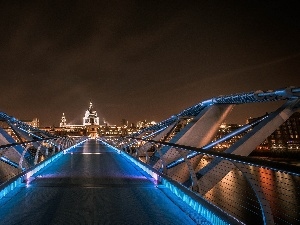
[91,153]
[198,207]
[26,176]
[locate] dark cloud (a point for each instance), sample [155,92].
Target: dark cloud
[141,59]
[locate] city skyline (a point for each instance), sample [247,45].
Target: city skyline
[142,60]
[228,120]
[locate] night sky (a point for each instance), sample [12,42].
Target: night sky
[142,59]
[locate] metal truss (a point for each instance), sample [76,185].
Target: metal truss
[22,146]
[268,187]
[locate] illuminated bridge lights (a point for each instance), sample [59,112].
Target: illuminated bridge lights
[212,213]
[290,169]
[214,143]
[9,162]
[239,162]
[9,185]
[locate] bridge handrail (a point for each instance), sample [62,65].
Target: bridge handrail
[27,142]
[199,204]
[275,166]
[23,160]
[25,175]
[260,175]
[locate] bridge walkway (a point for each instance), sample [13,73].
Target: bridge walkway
[93,184]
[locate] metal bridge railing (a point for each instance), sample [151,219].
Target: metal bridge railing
[249,189]
[19,157]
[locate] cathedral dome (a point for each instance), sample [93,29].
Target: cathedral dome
[90,117]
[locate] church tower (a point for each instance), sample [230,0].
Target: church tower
[91,121]
[90,117]
[63,121]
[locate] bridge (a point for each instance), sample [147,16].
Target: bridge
[167,173]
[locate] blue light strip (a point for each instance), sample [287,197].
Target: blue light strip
[275,166]
[9,162]
[155,132]
[29,133]
[25,142]
[182,192]
[134,141]
[11,184]
[212,144]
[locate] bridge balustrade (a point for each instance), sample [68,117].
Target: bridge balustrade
[249,189]
[30,153]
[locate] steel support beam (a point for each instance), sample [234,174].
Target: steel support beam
[199,132]
[215,171]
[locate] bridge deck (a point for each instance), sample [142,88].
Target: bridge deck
[94,185]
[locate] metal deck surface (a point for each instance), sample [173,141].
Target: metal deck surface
[93,184]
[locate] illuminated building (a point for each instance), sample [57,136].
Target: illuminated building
[63,122]
[91,126]
[285,139]
[225,129]
[34,123]
[144,124]
[90,117]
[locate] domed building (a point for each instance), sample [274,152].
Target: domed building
[90,117]
[89,126]
[63,122]
[91,121]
